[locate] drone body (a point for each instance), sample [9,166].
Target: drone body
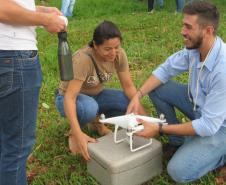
[130,123]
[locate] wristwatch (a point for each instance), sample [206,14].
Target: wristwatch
[160,129]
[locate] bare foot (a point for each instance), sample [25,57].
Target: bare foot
[100,128]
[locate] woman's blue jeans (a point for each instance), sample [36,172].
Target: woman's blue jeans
[20,81]
[110,102]
[196,155]
[67,7]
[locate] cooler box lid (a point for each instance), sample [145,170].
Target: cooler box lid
[117,158]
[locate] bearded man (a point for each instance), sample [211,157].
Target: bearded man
[201,141]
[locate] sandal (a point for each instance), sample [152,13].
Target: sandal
[221,179]
[100,128]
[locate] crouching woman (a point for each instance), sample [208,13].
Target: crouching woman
[82,99]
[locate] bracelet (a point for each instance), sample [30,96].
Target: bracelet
[160,129]
[141,93]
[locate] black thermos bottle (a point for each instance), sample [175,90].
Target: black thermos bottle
[64,58]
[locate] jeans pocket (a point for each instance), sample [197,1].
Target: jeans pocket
[30,69]
[30,59]
[6,76]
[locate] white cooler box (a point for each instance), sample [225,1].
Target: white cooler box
[115,164]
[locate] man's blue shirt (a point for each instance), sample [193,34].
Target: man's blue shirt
[211,93]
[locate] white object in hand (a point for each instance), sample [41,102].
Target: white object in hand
[64,19]
[130,123]
[129,120]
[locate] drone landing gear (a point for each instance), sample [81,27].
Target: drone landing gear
[129,138]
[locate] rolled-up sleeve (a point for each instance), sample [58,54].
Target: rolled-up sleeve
[214,109]
[174,65]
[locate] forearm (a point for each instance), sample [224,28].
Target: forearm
[150,84]
[127,84]
[184,129]
[12,13]
[130,91]
[70,111]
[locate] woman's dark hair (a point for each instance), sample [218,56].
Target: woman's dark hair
[207,13]
[104,31]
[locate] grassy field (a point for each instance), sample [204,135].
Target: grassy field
[148,40]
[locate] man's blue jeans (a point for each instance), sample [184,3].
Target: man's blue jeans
[67,7]
[197,155]
[111,102]
[20,81]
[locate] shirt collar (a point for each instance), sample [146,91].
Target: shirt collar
[211,59]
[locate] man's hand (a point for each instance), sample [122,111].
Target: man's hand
[54,10]
[78,143]
[54,23]
[45,9]
[150,129]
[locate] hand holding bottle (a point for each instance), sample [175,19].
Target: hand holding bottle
[53,23]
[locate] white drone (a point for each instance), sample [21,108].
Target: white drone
[130,123]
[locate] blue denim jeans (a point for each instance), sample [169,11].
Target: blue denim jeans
[168,96]
[196,155]
[152,3]
[160,2]
[111,102]
[180,5]
[67,7]
[20,81]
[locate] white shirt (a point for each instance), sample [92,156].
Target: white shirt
[18,37]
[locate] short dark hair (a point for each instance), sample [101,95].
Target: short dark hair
[207,13]
[104,31]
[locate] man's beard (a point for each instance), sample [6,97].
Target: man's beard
[196,44]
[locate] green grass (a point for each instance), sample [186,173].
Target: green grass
[148,40]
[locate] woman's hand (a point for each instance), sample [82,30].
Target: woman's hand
[78,143]
[141,110]
[134,105]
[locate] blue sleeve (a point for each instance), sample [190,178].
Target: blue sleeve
[214,109]
[174,65]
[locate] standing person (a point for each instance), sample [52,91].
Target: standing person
[20,81]
[203,100]
[67,7]
[180,5]
[151,4]
[85,97]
